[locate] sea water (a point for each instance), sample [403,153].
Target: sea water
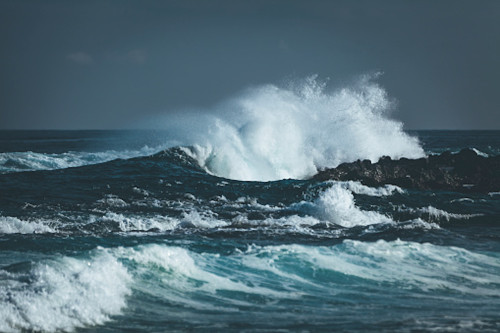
[212,223]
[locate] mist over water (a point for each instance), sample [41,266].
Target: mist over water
[272,132]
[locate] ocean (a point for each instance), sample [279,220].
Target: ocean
[113,231]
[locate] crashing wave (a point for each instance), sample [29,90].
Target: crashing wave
[63,294]
[270,132]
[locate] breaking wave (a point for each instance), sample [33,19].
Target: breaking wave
[271,132]
[336,205]
[267,133]
[13,225]
[32,161]
[63,294]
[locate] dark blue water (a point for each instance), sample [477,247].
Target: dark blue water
[106,231]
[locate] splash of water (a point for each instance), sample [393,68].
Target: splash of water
[271,132]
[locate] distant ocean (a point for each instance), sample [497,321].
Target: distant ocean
[146,231]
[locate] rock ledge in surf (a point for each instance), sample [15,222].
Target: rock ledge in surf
[463,172]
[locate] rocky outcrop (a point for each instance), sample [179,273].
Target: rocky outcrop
[464,172]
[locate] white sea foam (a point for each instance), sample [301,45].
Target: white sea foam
[141,191]
[112,200]
[405,264]
[337,205]
[63,294]
[183,273]
[252,203]
[288,221]
[462,200]
[130,223]
[30,161]
[358,188]
[426,266]
[480,153]
[206,220]
[66,293]
[437,214]
[140,223]
[270,133]
[417,224]
[14,225]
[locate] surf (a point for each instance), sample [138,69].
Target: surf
[266,132]
[272,132]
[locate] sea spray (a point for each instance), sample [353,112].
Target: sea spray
[271,132]
[267,132]
[336,205]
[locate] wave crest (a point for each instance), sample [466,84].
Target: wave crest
[271,133]
[63,294]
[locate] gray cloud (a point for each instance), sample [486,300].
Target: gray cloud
[80,58]
[137,56]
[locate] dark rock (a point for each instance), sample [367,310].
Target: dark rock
[463,172]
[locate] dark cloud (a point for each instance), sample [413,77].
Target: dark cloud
[106,64]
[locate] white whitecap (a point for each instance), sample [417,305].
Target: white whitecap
[139,223]
[32,161]
[358,188]
[183,273]
[404,264]
[337,205]
[437,214]
[14,225]
[480,153]
[63,294]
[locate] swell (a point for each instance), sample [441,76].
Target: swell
[11,162]
[192,202]
[253,286]
[465,171]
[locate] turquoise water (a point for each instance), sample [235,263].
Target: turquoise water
[106,231]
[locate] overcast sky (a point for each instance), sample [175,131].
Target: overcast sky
[105,64]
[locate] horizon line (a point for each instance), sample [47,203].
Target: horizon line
[159,129]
